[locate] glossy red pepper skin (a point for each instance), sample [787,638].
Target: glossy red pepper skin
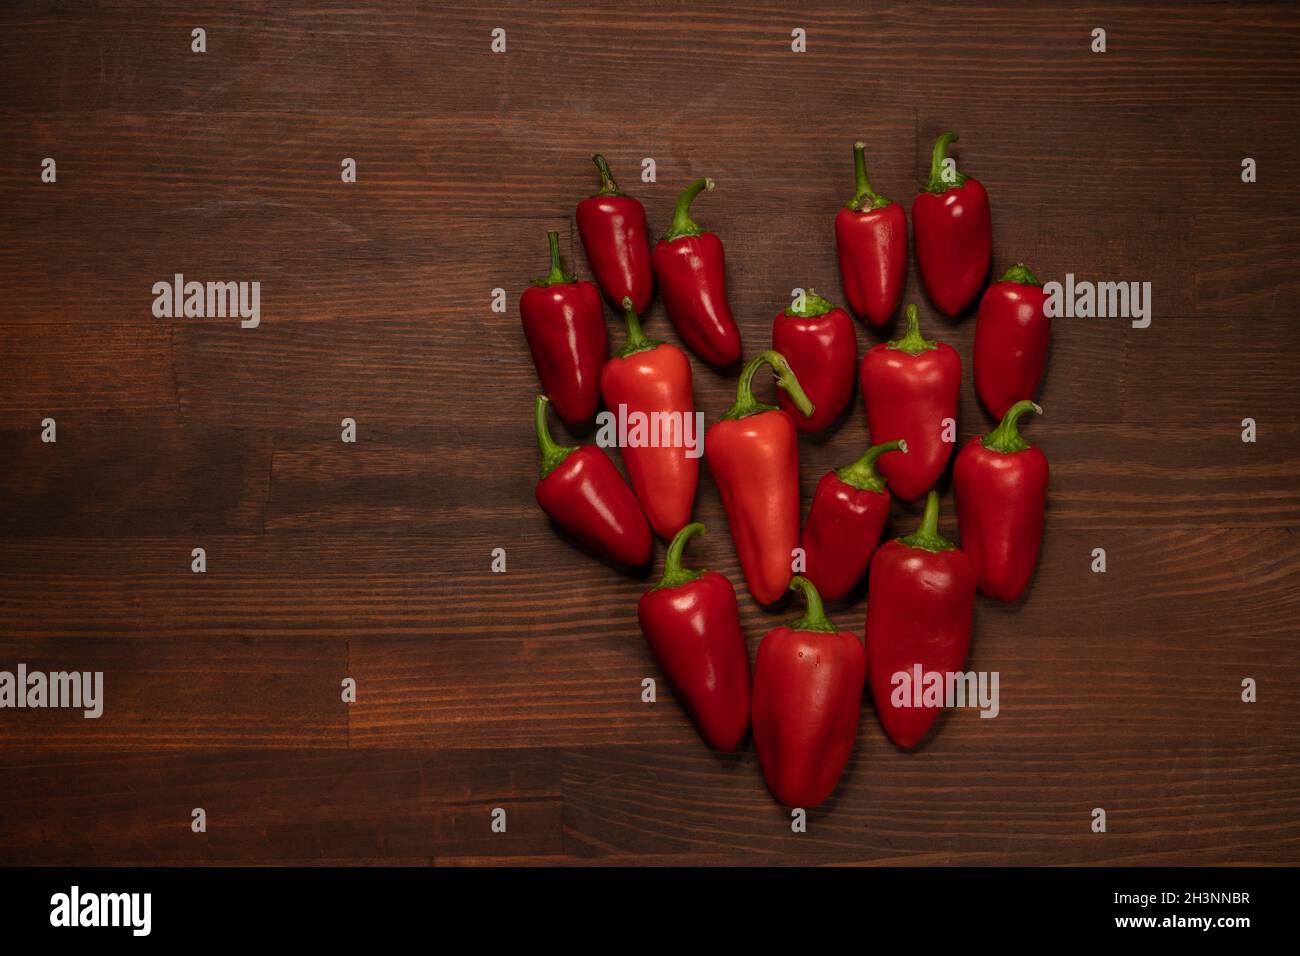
[910,386]
[848,512]
[691,270]
[565,329]
[692,623]
[616,237]
[584,494]
[920,607]
[654,377]
[954,234]
[753,454]
[871,243]
[1001,485]
[819,342]
[1012,334]
[808,681]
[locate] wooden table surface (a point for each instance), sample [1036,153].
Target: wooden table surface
[371,560]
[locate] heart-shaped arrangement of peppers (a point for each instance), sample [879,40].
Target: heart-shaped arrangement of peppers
[804,697]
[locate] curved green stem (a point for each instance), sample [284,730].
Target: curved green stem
[607,185]
[927,536]
[814,617]
[557,275]
[862,473]
[912,342]
[1006,437]
[937,184]
[553,453]
[747,405]
[683,224]
[1020,273]
[865,198]
[637,340]
[813,306]
[674,574]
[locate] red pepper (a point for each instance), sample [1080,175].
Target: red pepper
[692,623]
[585,495]
[871,238]
[920,604]
[807,700]
[654,379]
[954,234]
[822,348]
[754,456]
[844,523]
[1011,337]
[692,272]
[1001,487]
[566,334]
[910,386]
[617,239]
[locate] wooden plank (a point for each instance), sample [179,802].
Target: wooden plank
[185,693]
[959,802]
[142,475]
[365,588]
[331,57]
[282,806]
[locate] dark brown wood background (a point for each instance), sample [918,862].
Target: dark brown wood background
[522,690]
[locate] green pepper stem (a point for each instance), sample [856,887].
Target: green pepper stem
[637,340]
[607,185]
[912,342]
[936,183]
[674,574]
[557,275]
[862,473]
[683,224]
[553,453]
[557,271]
[814,618]
[865,197]
[1020,273]
[1006,437]
[927,536]
[747,405]
[813,306]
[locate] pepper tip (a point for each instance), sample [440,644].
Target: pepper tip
[708,184]
[902,446]
[859,145]
[627,302]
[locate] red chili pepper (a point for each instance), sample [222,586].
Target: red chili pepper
[754,456]
[910,386]
[617,239]
[920,604]
[566,334]
[807,700]
[844,523]
[585,495]
[954,234]
[654,379]
[691,270]
[692,623]
[1011,337]
[1001,487]
[819,342]
[871,238]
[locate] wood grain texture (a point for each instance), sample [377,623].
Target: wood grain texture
[522,691]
